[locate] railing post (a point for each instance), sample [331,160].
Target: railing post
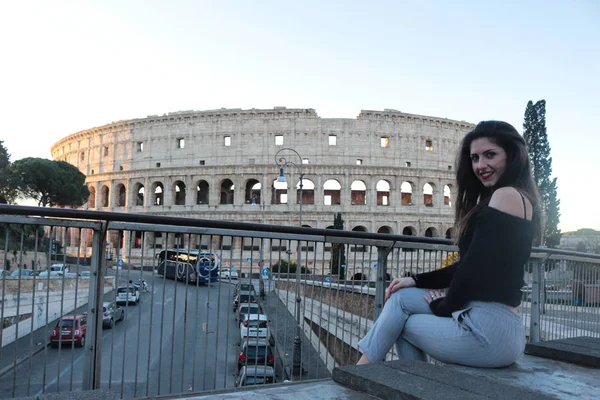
[93,350]
[382,254]
[536,302]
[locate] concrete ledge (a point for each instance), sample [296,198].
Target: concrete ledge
[582,350]
[418,380]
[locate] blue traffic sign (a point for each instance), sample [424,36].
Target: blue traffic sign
[120,262]
[265,272]
[248,260]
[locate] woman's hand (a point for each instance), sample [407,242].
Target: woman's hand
[434,295]
[397,284]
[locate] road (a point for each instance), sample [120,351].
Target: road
[179,338]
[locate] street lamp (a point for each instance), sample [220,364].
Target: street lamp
[283,162]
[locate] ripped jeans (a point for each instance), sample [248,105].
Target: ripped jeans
[483,334]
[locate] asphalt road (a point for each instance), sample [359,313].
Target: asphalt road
[179,338]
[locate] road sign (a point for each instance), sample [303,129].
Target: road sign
[344,266]
[120,262]
[248,260]
[327,279]
[265,272]
[374,264]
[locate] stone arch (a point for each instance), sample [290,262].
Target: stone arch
[359,228]
[121,195]
[449,233]
[432,232]
[227,192]
[158,193]
[358,193]
[104,196]
[332,192]
[202,192]
[92,198]
[406,191]
[409,231]
[179,190]
[385,229]
[252,194]
[428,194]
[448,195]
[359,276]
[383,192]
[308,192]
[140,192]
[359,248]
[280,192]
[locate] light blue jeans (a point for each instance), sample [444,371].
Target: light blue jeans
[483,334]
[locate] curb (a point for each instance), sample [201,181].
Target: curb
[21,360]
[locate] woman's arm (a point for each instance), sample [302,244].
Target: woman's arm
[438,279]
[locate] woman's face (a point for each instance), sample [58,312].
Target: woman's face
[488,161]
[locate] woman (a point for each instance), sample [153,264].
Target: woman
[475,322]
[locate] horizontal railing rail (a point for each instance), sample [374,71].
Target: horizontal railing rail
[178,331]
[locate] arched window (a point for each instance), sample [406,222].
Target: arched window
[179,193]
[331,195]
[385,229]
[253,192]
[428,194]
[121,195]
[359,248]
[104,193]
[383,193]
[448,195]
[431,232]
[406,190]
[409,231]
[227,192]
[139,194]
[308,192]
[358,193]
[279,191]
[202,192]
[159,194]
[92,198]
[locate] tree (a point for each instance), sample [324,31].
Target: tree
[534,132]
[50,183]
[338,251]
[7,194]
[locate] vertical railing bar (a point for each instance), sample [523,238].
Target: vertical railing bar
[130,286]
[74,307]
[185,310]
[104,263]
[47,308]
[151,329]
[162,314]
[534,324]
[7,228]
[141,282]
[18,313]
[176,287]
[35,254]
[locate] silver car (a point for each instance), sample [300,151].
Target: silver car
[111,314]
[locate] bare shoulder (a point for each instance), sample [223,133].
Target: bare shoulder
[508,200]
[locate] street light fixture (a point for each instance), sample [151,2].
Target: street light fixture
[283,162]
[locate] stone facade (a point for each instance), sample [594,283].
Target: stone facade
[394,171]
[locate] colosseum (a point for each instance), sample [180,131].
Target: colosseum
[385,171]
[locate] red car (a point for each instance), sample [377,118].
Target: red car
[69,329]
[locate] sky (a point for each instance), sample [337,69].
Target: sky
[68,66]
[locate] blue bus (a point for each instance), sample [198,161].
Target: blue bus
[192,266]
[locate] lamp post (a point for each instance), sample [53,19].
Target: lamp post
[283,162]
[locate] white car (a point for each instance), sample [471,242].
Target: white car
[61,268]
[228,273]
[255,326]
[128,294]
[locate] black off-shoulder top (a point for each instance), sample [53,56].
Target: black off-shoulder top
[493,254]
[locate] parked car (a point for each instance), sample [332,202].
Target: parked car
[255,326]
[244,287]
[255,352]
[46,273]
[128,294]
[243,297]
[255,375]
[22,272]
[2,273]
[245,309]
[230,273]
[62,268]
[69,329]
[111,314]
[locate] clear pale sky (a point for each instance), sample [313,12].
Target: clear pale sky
[67,66]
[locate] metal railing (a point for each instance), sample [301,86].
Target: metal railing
[182,336]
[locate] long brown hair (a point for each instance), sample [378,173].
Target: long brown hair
[472,195]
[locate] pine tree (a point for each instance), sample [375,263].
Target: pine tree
[534,132]
[338,250]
